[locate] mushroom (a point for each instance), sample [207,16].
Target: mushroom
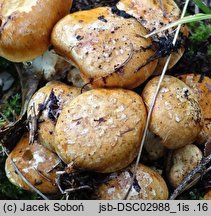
[101,129]
[49,66]
[154,147]
[36,163]
[148,185]
[109,49]
[26,26]
[201,86]
[153,15]
[45,107]
[207,195]
[176,117]
[183,160]
[74,77]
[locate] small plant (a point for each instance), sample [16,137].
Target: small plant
[200,32]
[10,110]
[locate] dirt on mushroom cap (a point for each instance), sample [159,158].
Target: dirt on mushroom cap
[153,15]
[45,107]
[101,129]
[184,160]
[34,162]
[109,50]
[177,117]
[148,185]
[201,86]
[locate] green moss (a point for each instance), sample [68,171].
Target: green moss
[9,109]
[196,194]
[197,57]
[13,106]
[199,31]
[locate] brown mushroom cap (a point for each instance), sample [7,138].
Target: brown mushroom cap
[101,129]
[26,26]
[177,117]
[201,86]
[184,160]
[207,196]
[109,50]
[34,162]
[148,185]
[150,13]
[58,95]
[153,17]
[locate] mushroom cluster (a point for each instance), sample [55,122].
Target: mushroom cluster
[97,123]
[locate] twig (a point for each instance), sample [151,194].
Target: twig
[58,183]
[33,120]
[78,188]
[153,104]
[42,175]
[206,171]
[57,164]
